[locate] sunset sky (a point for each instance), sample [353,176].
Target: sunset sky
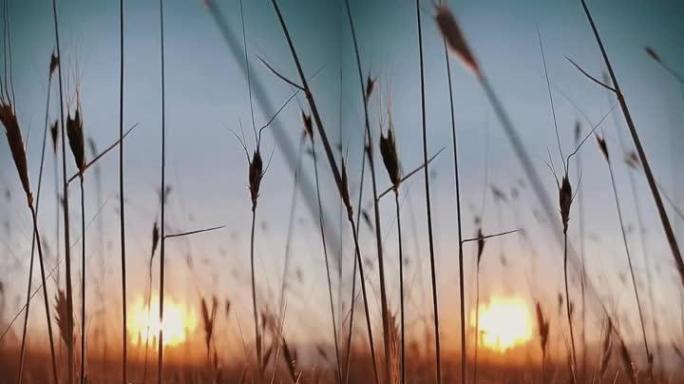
[207,98]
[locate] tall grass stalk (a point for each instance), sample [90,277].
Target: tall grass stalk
[162,248]
[340,178]
[662,213]
[603,146]
[433,274]
[65,197]
[122,216]
[457,191]
[366,93]
[325,249]
[22,353]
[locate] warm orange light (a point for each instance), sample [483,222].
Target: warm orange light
[504,323]
[143,323]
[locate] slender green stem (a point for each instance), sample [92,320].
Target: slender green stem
[433,274]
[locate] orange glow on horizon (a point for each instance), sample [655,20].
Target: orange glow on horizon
[504,323]
[143,324]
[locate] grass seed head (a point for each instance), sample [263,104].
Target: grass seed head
[76,139]
[370,86]
[454,38]
[54,63]
[62,316]
[603,147]
[256,173]
[388,150]
[16,144]
[344,189]
[54,134]
[565,201]
[542,328]
[155,237]
[480,244]
[308,126]
[632,160]
[652,53]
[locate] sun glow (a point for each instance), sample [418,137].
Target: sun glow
[143,324]
[504,323]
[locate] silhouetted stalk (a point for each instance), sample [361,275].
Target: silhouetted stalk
[376,211]
[401,288]
[433,274]
[340,181]
[461,282]
[568,309]
[83,283]
[477,322]
[662,213]
[327,266]
[649,356]
[122,220]
[65,197]
[257,334]
[162,252]
[22,354]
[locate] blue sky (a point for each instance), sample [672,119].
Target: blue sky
[207,97]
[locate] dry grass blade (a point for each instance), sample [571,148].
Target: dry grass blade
[100,155]
[451,32]
[409,174]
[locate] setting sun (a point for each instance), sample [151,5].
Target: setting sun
[504,323]
[179,321]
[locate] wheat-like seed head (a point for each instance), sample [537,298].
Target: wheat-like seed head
[603,147]
[565,201]
[16,144]
[74,127]
[451,32]
[388,150]
[256,173]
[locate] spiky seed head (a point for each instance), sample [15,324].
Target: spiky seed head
[54,133]
[76,139]
[256,172]
[578,132]
[480,244]
[155,238]
[62,317]
[542,327]
[388,150]
[565,201]
[54,63]
[344,189]
[451,32]
[632,160]
[370,86]
[652,53]
[16,144]
[603,147]
[308,126]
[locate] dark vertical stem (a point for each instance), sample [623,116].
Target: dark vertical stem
[327,266]
[662,213]
[477,321]
[22,354]
[162,238]
[336,174]
[83,283]
[45,295]
[257,335]
[401,288]
[568,309]
[649,356]
[65,197]
[376,211]
[426,173]
[457,180]
[122,219]
[580,204]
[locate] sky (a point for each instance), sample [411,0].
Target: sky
[207,104]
